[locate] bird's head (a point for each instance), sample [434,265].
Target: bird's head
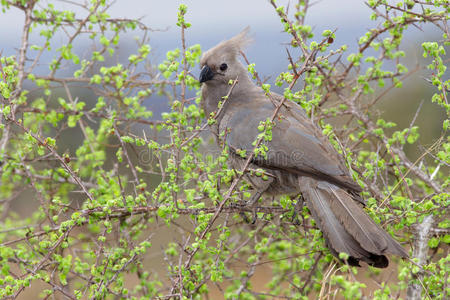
[220,64]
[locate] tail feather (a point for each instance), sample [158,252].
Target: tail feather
[336,237]
[345,226]
[356,222]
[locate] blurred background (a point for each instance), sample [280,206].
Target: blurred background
[213,21]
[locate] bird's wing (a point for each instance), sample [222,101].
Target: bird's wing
[297,145]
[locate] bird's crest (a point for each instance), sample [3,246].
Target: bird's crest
[230,47]
[238,42]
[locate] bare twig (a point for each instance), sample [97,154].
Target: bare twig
[420,252]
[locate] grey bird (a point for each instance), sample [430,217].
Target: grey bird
[300,159]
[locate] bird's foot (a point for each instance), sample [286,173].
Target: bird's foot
[250,204]
[298,209]
[244,216]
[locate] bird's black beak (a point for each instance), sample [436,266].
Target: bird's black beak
[206,74]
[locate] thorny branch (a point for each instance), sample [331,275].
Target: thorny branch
[130,220]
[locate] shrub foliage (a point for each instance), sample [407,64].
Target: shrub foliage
[124,204]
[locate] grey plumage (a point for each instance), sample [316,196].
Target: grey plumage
[299,158]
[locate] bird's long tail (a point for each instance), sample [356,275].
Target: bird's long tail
[346,227]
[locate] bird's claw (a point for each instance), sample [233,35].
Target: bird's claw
[295,219]
[250,203]
[298,211]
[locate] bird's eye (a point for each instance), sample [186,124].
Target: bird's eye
[223,67]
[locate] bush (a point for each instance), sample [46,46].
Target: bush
[144,208]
